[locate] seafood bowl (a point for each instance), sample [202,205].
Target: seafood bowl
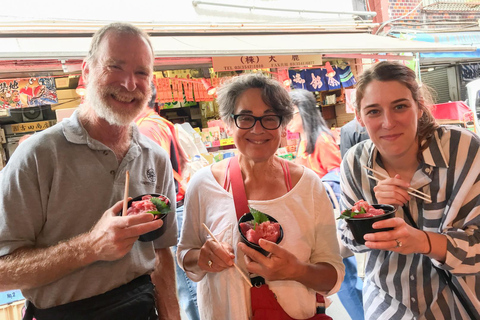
[362,226]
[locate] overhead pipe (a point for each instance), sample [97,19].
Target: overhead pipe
[357,13]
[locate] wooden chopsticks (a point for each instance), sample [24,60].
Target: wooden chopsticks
[411,191]
[238,269]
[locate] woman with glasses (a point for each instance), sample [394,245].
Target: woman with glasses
[256,110]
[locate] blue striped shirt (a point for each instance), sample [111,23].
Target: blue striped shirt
[401,286]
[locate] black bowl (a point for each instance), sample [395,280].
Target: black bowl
[248,217]
[362,226]
[152,235]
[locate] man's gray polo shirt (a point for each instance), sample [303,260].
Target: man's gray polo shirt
[57,185]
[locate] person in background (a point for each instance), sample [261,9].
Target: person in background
[23,138]
[318,150]
[408,267]
[351,133]
[255,110]
[62,240]
[164,133]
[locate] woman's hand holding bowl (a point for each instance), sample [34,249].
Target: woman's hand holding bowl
[403,239]
[215,257]
[280,264]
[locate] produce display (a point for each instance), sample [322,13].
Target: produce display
[154,205]
[260,228]
[361,209]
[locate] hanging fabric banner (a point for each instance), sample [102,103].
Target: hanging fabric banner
[315,80]
[332,77]
[346,77]
[298,78]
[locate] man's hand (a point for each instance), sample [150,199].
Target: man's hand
[113,236]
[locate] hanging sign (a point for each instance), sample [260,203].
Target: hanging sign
[31,126]
[264,62]
[31,92]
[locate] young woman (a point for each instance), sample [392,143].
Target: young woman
[402,280]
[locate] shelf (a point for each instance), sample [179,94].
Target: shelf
[219,143]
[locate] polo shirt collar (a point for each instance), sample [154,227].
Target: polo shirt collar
[74,132]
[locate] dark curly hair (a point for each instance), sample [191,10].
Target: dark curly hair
[274,95]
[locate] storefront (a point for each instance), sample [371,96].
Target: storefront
[187,66]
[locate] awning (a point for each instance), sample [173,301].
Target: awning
[447,38]
[64,48]
[456,110]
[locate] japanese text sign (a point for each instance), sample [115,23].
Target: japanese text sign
[264,62]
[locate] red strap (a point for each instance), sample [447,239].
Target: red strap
[238,188]
[286,174]
[226,181]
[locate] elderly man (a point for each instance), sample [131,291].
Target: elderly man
[61,239]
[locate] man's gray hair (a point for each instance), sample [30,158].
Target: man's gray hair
[274,95]
[118,28]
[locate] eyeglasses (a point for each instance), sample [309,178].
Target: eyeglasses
[246,121]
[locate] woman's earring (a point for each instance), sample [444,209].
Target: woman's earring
[284,134]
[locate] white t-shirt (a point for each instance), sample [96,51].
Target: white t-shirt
[306,216]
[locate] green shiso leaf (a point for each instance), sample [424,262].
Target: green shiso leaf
[154,212]
[162,207]
[347,214]
[258,217]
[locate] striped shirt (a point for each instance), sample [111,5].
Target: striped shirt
[401,286]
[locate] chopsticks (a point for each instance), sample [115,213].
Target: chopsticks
[238,269]
[411,191]
[125,196]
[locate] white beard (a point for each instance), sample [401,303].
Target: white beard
[96,98]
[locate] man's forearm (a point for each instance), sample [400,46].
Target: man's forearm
[32,267]
[163,277]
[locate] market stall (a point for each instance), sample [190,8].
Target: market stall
[454,113]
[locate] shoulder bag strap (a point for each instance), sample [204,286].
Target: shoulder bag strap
[238,188]
[447,276]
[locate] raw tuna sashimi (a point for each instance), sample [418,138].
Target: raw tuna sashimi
[147,205]
[362,209]
[266,230]
[141,206]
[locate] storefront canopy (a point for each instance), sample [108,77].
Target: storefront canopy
[448,38]
[64,48]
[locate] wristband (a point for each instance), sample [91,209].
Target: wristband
[429,243]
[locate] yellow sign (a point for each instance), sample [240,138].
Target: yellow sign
[31,126]
[226,142]
[263,62]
